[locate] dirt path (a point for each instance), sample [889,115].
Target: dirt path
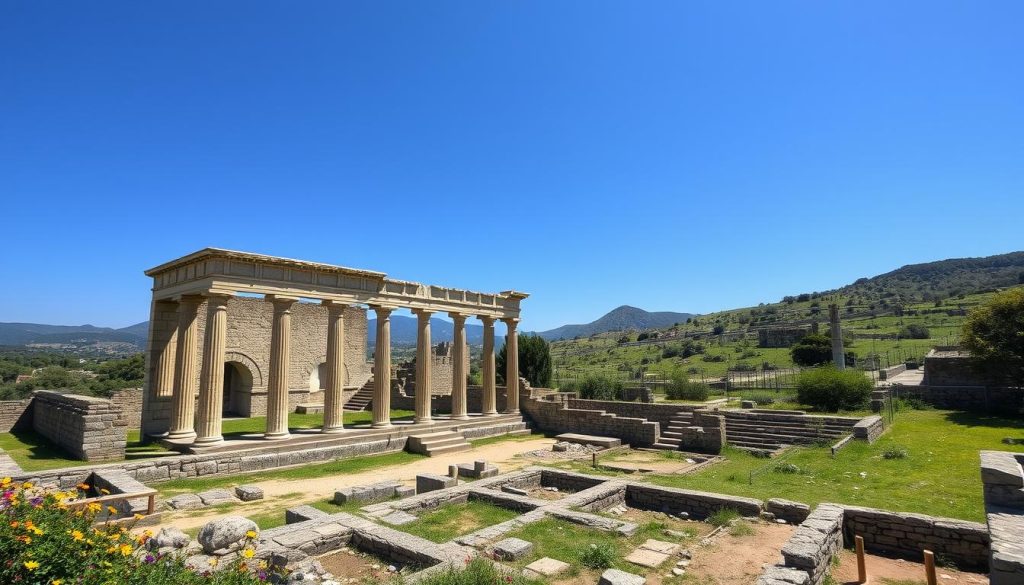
[880,568]
[280,494]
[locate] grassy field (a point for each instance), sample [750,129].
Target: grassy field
[940,474]
[36,453]
[446,522]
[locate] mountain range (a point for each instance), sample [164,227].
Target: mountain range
[920,282]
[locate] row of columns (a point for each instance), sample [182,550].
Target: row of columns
[203,426]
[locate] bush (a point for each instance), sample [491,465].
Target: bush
[723,516]
[598,556]
[43,539]
[742,367]
[681,388]
[599,387]
[812,350]
[477,571]
[915,332]
[895,453]
[830,389]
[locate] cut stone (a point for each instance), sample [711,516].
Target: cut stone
[216,496]
[545,567]
[511,549]
[397,518]
[185,502]
[617,577]
[249,493]
[660,546]
[647,558]
[514,490]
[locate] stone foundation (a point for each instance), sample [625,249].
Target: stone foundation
[88,428]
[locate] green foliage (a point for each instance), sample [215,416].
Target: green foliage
[598,556]
[682,388]
[723,516]
[534,361]
[741,528]
[477,571]
[813,350]
[831,390]
[994,334]
[915,331]
[45,540]
[596,387]
[63,373]
[789,468]
[895,452]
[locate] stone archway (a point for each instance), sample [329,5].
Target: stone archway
[241,377]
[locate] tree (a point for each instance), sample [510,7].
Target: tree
[915,331]
[812,350]
[830,389]
[994,334]
[534,361]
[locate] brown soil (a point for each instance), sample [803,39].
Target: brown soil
[543,494]
[881,568]
[646,461]
[735,560]
[351,564]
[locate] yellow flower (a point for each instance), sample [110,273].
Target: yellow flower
[36,531]
[94,507]
[138,516]
[105,491]
[77,534]
[213,562]
[5,482]
[250,534]
[112,509]
[248,553]
[27,485]
[262,564]
[56,582]
[31,565]
[126,549]
[24,539]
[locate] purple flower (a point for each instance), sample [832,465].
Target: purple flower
[36,501]
[261,575]
[150,559]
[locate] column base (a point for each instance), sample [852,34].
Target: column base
[333,430]
[492,413]
[276,436]
[185,436]
[513,411]
[424,421]
[460,417]
[207,443]
[381,425]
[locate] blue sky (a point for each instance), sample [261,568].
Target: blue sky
[680,156]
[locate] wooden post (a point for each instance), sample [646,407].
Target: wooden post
[862,569]
[929,567]
[151,506]
[594,460]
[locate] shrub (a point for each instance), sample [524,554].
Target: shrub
[812,350]
[741,529]
[830,389]
[476,572]
[723,516]
[599,387]
[598,556]
[915,332]
[681,388]
[44,538]
[895,453]
[742,367]
[787,468]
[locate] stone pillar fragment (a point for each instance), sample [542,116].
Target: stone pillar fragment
[280,357]
[335,387]
[488,399]
[512,367]
[164,386]
[183,401]
[424,367]
[382,368]
[211,380]
[459,367]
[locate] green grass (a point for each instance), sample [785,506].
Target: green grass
[451,520]
[342,466]
[503,439]
[940,475]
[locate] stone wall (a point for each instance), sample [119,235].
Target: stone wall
[15,415]
[887,373]
[659,413]
[780,337]
[129,402]
[1009,401]
[87,427]
[811,547]
[868,428]
[904,535]
[699,505]
[558,417]
[1002,474]
[637,393]
[949,368]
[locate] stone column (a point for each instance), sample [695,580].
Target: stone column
[459,367]
[382,368]
[424,367]
[183,401]
[211,380]
[335,388]
[488,399]
[280,357]
[512,367]
[164,386]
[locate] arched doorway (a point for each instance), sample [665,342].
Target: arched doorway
[237,389]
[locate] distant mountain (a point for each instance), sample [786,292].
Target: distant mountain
[403,331]
[623,318]
[37,333]
[943,279]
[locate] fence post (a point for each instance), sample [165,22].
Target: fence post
[862,570]
[929,567]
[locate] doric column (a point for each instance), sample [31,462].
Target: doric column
[382,368]
[488,399]
[183,401]
[459,367]
[164,387]
[424,367]
[211,380]
[280,356]
[334,393]
[512,367]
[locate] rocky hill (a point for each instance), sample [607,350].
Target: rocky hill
[622,318]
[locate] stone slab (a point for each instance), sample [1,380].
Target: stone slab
[429,482]
[185,502]
[617,577]
[511,549]
[216,496]
[398,518]
[545,567]
[249,493]
[647,558]
[660,546]
[604,442]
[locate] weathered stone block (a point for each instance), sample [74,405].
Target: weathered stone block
[249,493]
[617,577]
[511,549]
[428,482]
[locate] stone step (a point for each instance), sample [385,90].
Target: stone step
[431,452]
[665,446]
[778,437]
[759,424]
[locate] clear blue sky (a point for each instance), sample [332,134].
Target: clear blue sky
[670,155]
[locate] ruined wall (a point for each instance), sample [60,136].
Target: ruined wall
[15,415]
[780,337]
[87,427]
[1000,400]
[909,535]
[949,368]
[557,417]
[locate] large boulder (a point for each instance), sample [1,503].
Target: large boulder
[169,537]
[225,533]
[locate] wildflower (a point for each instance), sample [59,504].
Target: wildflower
[126,549]
[248,553]
[15,524]
[150,559]
[24,539]
[138,516]
[83,486]
[213,562]
[27,486]
[105,491]
[5,482]
[261,575]
[262,564]
[36,531]
[77,534]
[31,565]
[112,509]
[56,582]
[250,534]
[94,507]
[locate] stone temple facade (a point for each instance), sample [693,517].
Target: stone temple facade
[248,334]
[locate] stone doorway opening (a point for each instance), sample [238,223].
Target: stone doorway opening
[237,389]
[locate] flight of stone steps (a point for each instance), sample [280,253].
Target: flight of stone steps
[769,434]
[437,443]
[362,399]
[672,434]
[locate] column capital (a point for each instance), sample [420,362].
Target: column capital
[282,299]
[511,322]
[215,296]
[382,309]
[421,312]
[486,319]
[458,317]
[333,306]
